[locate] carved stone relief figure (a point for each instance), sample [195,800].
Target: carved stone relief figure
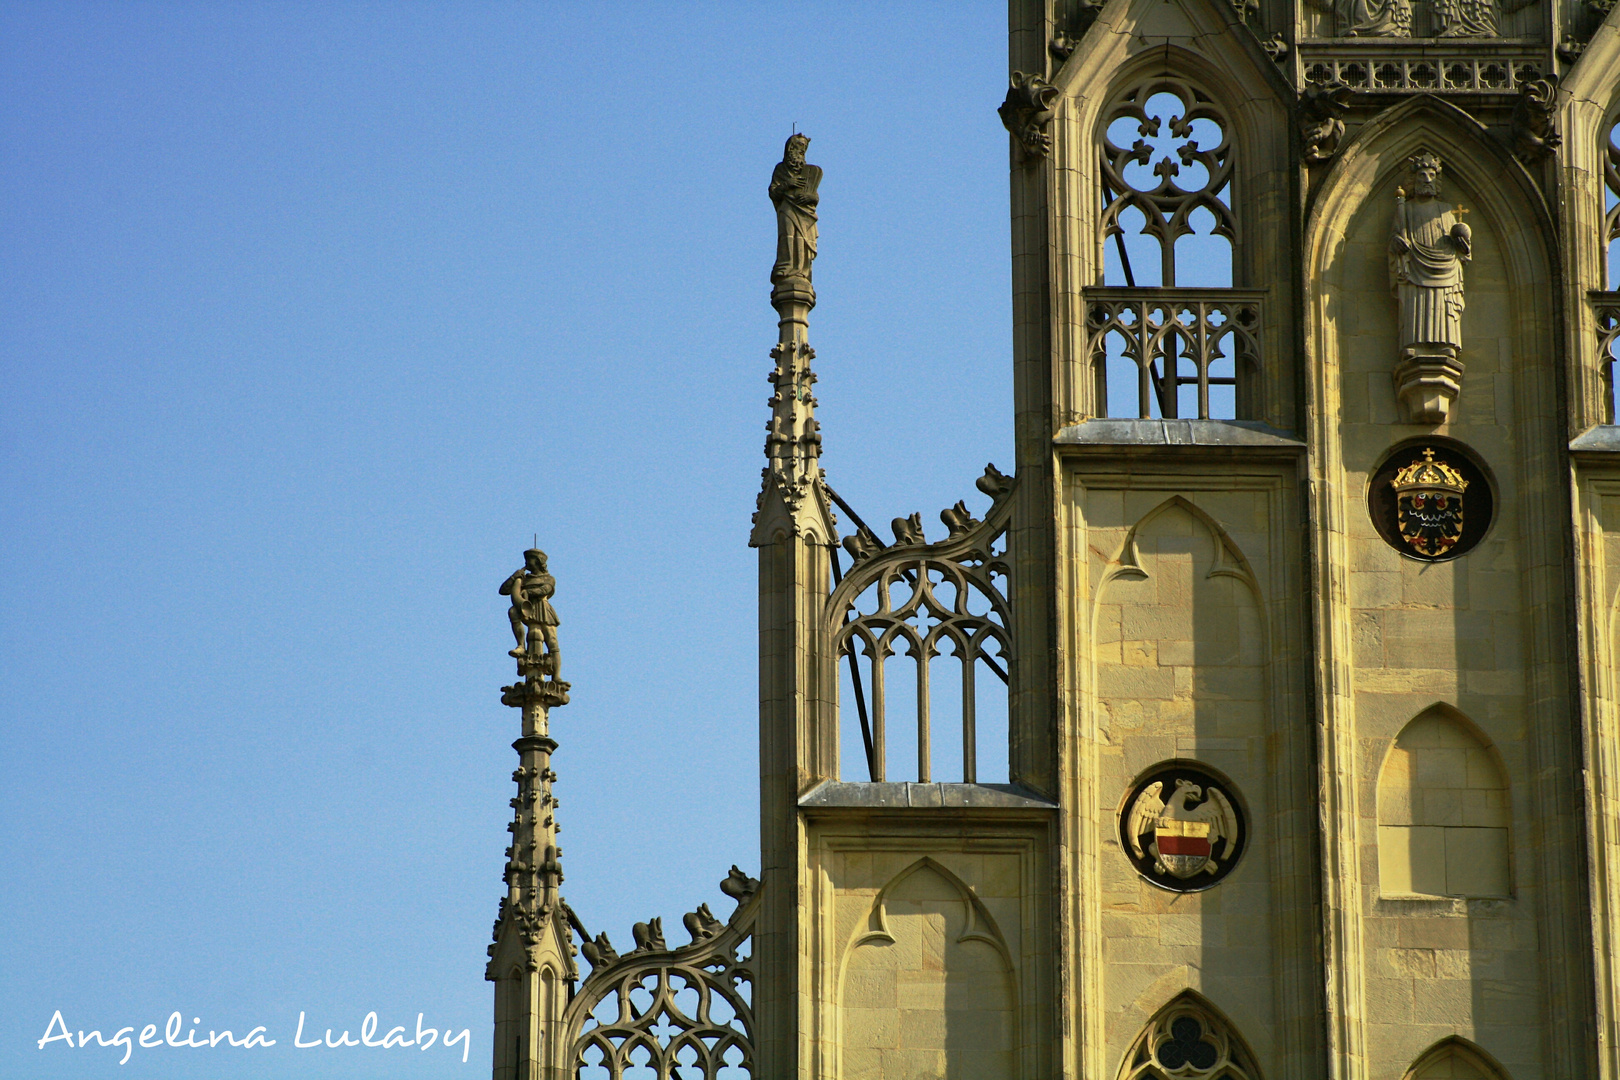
[1394,18]
[793,193]
[1375,18]
[1428,245]
[1464,18]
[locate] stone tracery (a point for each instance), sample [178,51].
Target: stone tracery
[922,598]
[1188,1040]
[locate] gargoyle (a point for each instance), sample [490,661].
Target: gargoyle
[908,530]
[1322,108]
[1535,125]
[958,519]
[1070,21]
[1027,111]
[702,924]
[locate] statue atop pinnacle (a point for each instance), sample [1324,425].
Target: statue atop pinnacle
[793,193]
[534,626]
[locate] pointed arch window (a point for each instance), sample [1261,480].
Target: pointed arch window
[1170,336]
[1189,1039]
[1166,186]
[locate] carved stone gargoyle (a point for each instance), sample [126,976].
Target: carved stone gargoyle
[1535,120]
[1322,108]
[1027,113]
[1070,21]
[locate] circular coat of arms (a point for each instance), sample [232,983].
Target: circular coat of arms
[1182,828]
[1430,501]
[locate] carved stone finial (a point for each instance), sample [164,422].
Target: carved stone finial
[793,191]
[994,483]
[1322,108]
[1535,120]
[862,545]
[957,519]
[649,936]
[702,924]
[908,530]
[738,885]
[1428,246]
[1027,112]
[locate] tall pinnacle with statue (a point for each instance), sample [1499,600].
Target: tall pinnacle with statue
[793,445]
[532,936]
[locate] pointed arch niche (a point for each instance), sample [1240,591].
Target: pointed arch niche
[927,985]
[1179,634]
[1455,1059]
[1444,812]
[1189,1039]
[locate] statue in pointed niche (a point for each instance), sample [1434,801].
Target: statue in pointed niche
[533,619]
[1428,245]
[793,192]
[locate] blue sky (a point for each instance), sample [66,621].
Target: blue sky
[312,315]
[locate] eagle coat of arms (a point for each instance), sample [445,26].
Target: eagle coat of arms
[1194,831]
[1429,505]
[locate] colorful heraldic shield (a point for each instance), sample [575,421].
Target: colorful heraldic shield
[1429,505]
[1182,828]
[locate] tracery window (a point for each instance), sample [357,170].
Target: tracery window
[922,636]
[1611,204]
[1170,336]
[1166,181]
[1188,1040]
[1606,307]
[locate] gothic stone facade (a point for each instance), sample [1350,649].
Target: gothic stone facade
[1300,609]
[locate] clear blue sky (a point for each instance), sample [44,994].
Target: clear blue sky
[312,314]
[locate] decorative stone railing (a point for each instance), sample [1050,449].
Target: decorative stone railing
[1161,329]
[1445,66]
[686,1013]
